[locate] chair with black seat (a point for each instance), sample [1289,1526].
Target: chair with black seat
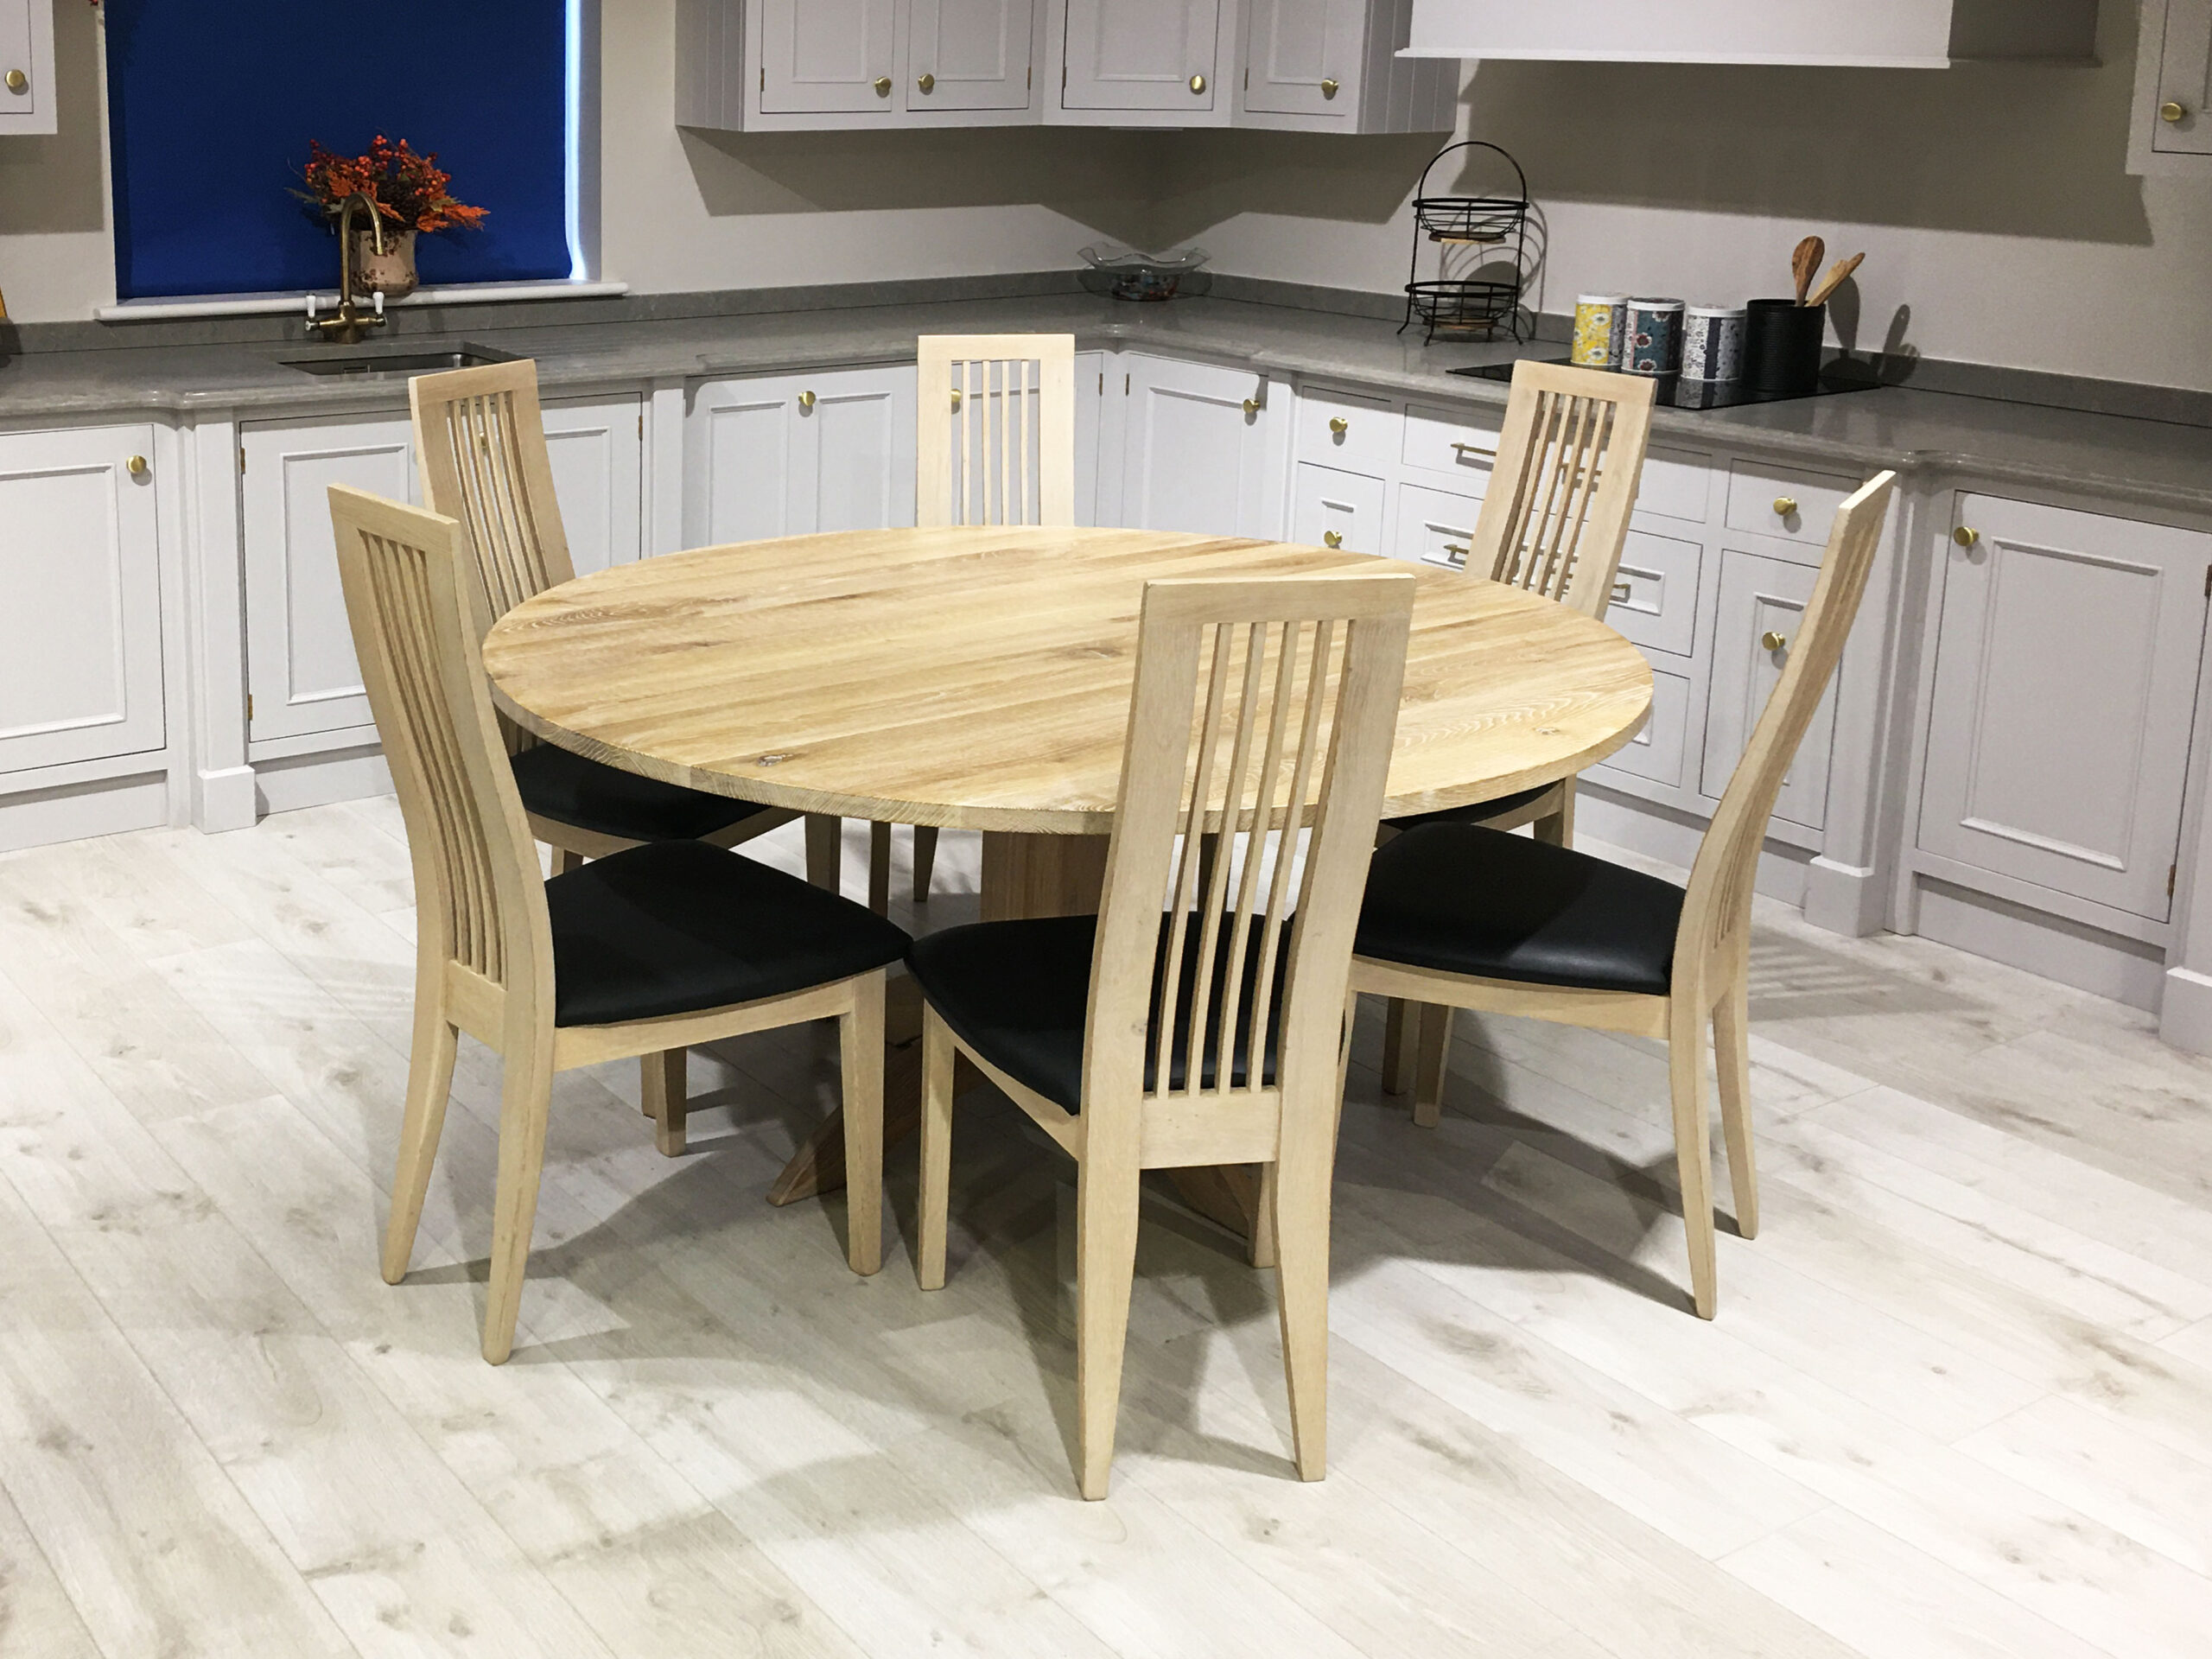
[1466,916]
[1554,518]
[1253,699]
[480,444]
[643,952]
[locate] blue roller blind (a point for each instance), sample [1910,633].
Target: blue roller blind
[211,107]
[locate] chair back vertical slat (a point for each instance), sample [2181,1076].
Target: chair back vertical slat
[1717,909]
[1570,461]
[996,444]
[1244,700]
[414,605]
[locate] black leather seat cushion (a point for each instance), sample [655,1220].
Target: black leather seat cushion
[562,785]
[1016,993]
[678,925]
[1463,899]
[1479,812]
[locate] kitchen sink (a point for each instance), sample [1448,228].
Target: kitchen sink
[372,365]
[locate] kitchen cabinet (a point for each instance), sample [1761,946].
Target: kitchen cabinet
[1336,510]
[1141,62]
[81,603]
[1331,65]
[1434,526]
[1763,599]
[824,56]
[966,55]
[302,675]
[2068,653]
[1195,449]
[791,455]
[1097,441]
[27,100]
[597,446]
[2170,129]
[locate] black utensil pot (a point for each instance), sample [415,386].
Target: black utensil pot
[1781,345]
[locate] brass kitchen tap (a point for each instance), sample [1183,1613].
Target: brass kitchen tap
[346,327]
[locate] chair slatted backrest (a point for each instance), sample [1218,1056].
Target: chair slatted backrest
[1259,705]
[480,440]
[411,601]
[1717,912]
[996,442]
[1570,461]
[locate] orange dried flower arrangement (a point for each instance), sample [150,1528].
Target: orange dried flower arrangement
[408,190]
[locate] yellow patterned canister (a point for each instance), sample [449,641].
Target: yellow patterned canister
[1597,330]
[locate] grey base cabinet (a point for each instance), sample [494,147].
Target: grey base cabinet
[791,455]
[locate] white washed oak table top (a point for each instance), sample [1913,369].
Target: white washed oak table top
[979,679]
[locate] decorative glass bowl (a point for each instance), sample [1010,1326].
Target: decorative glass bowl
[1130,274]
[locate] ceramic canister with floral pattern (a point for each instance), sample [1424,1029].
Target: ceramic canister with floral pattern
[1713,342]
[1652,342]
[1598,319]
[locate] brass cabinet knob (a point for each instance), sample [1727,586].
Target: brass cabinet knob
[1328,88]
[955,399]
[928,83]
[1966,537]
[2167,112]
[806,400]
[1332,538]
[1785,505]
[1251,406]
[136,466]
[1773,641]
[1339,425]
[18,81]
[883,85]
[1197,83]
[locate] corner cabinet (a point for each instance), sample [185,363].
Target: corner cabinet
[1331,65]
[2170,129]
[26,99]
[1141,62]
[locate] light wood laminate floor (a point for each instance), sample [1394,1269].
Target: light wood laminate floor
[1958,1401]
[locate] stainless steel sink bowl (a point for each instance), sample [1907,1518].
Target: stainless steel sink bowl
[377,366]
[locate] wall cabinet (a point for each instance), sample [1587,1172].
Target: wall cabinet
[81,603]
[967,55]
[26,99]
[1331,65]
[1142,62]
[2066,674]
[791,455]
[2170,130]
[1195,450]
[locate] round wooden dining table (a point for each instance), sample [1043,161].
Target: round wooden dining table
[979,679]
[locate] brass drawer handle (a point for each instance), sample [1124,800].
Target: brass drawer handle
[1328,88]
[1463,450]
[2169,114]
[136,466]
[1622,591]
[883,85]
[1772,641]
[1339,425]
[806,400]
[1332,538]
[1966,537]
[1198,83]
[1785,505]
[1458,552]
[927,84]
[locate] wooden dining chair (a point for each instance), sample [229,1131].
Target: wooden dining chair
[1554,521]
[1186,1023]
[995,445]
[1467,916]
[480,443]
[643,952]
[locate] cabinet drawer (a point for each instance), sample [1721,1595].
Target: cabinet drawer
[1462,445]
[1368,441]
[1654,595]
[1756,494]
[1677,483]
[1655,753]
[1345,506]
[1434,526]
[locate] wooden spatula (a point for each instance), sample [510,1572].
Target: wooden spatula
[1805,261]
[1837,276]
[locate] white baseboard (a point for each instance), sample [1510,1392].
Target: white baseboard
[319,779]
[2185,1017]
[109,806]
[2051,947]
[223,799]
[1844,899]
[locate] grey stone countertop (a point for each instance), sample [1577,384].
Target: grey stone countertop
[1982,440]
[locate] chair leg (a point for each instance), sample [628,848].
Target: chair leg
[1732,1063]
[879,868]
[666,1093]
[1400,1022]
[861,1074]
[1432,1051]
[1265,1253]
[935,1201]
[925,860]
[429,1081]
[1693,1144]
[1105,1270]
[1301,1206]
[825,851]
[525,1097]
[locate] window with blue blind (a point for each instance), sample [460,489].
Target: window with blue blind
[211,109]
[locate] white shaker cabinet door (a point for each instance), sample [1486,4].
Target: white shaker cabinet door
[968,55]
[738,463]
[1146,56]
[828,57]
[2066,674]
[791,455]
[81,602]
[597,449]
[27,100]
[1342,512]
[1302,57]
[1762,606]
[2182,126]
[1195,449]
[856,430]
[301,670]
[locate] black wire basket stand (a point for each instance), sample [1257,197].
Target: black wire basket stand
[1461,305]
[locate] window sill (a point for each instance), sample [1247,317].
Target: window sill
[251,305]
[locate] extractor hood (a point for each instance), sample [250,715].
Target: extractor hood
[1873,34]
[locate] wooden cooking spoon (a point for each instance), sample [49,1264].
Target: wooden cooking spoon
[1836,278]
[1805,261]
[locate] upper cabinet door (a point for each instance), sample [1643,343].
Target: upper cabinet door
[2184,80]
[1302,57]
[828,56]
[968,55]
[1145,54]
